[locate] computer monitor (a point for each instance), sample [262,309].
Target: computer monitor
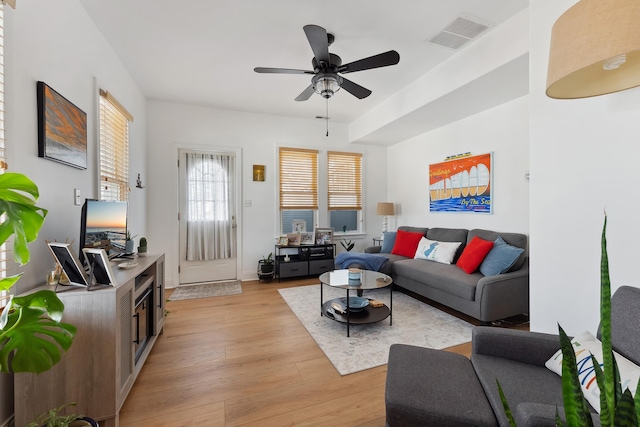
[103,223]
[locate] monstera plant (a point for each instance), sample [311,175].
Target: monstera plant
[32,336]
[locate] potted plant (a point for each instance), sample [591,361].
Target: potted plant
[128,243]
[53,419]
[32,336]
[142,246]
[347,244]
[266,269]
[618,408]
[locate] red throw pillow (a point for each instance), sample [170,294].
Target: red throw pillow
[473,254]
[406,243]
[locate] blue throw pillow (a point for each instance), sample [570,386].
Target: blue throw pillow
[389,239]
[500,259]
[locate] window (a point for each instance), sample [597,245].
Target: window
[114,149]
[298,187]
[344,190]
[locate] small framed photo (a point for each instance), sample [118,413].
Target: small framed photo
[324,236]
[69,262]
[99,267]
[299,225]
[283,241]
[307,238]
[293,239]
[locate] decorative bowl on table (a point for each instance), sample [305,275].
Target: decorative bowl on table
[355,303]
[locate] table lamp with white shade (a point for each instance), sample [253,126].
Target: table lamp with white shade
[385,209]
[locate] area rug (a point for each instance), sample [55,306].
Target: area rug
[414,322]
[205,290]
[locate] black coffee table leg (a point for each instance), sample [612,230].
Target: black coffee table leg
[348,313]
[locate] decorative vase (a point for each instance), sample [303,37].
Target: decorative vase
[128,246]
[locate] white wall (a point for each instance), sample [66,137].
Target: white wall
[503,130]
[173,125]
[55,42]
[584,159]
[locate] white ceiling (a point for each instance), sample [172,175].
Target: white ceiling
[203,52]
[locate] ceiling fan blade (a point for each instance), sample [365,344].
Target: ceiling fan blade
[355,89]
[319,42]
[281,71]
[381,60]
[306,94]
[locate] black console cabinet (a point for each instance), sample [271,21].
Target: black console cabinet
[304,260]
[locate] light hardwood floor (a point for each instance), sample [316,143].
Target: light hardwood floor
[245,360]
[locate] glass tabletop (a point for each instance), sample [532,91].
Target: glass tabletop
[367,279]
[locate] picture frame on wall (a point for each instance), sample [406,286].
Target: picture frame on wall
[462,184]
[324,236]
[62,129]
[307,238]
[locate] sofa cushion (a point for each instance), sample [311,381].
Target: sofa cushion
[406,243]
[500,259]
[445,277]
[388,241]
[431,250]
[449,235]
[585,344]
[473,254]
[421,230]
[518,240]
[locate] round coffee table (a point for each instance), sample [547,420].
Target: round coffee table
[368,280]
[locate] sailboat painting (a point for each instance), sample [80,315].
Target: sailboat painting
[462,185]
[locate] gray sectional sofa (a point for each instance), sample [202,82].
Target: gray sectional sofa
[427,387]
[486,298]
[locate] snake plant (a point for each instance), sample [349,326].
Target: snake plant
[618,408]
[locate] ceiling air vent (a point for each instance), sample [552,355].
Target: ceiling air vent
[460,31]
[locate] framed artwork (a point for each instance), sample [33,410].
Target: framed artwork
[307,238]
[324,236]
[462,185]
[298,225]
[283,241]
[293,239]
[62,129]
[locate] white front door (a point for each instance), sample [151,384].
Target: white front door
[208,237]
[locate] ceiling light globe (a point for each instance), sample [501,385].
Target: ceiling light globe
[326,84]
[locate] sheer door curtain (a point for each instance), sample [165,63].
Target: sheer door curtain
[209,196]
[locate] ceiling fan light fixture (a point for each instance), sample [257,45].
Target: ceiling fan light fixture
[326,84]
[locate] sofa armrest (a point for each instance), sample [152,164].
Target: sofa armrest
[523,346]
[373,249]
[503,295]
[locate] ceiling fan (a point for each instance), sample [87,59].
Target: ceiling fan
[326,66]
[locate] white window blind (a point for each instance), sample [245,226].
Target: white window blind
[114,149]
[298,178]
[344,181]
